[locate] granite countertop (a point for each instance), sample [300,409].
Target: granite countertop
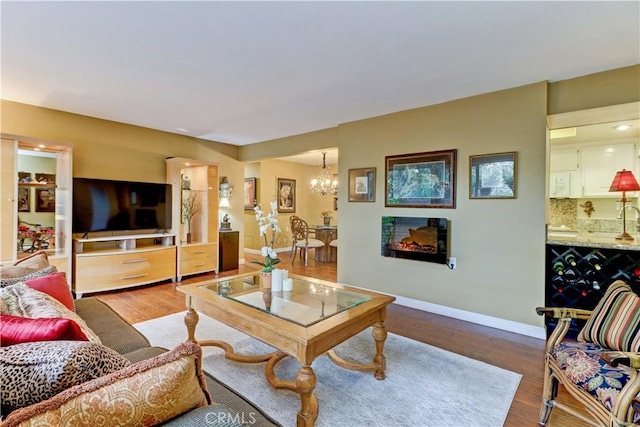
[592,240]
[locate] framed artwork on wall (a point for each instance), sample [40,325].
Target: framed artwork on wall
[421,180]
[24,199]
[362,185]
[45,200]
[493,176]
[286,195]
[250,193]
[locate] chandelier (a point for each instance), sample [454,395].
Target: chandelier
[324,183]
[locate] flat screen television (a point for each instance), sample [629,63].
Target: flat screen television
[420,239]
[108,205]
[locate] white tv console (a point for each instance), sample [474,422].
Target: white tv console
[114,262]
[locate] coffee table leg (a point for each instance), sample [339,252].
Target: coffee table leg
[305,383]
[379,336]
[191,320]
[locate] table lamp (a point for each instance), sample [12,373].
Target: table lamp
[624,181]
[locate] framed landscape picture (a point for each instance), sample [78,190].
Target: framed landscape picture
[421,180]
[493,176]
[286,195]
[362,185]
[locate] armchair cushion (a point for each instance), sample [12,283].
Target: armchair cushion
[615,322]
[583,366]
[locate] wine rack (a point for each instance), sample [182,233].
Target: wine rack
[578,277]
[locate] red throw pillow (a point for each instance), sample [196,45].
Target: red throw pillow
[17,329]
[56,286]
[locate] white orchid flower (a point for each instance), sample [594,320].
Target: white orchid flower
[265,251]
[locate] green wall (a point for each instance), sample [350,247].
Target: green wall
[499,243]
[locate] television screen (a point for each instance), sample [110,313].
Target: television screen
[106,205]
[420,239]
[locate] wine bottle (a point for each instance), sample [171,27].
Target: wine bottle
[594,260]
[558,267]
[570,274]
[571,259]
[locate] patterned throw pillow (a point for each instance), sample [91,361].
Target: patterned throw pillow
[35,371]
[16,274]
[146,393]
[23,301]
[615,322]
[37,260]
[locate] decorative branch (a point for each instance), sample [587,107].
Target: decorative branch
[191,206]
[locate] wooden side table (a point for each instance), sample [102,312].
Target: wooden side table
[228,249]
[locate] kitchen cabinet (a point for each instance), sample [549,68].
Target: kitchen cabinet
[599,165]
[565,159]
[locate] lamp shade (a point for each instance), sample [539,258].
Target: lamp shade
[624,181]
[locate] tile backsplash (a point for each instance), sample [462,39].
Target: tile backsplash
[571,214]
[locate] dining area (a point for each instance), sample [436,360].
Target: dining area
[322,238]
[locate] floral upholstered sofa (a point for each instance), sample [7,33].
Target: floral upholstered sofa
[77,362]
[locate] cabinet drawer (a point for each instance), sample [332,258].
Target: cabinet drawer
[199,265]
[197,252]
[113,271]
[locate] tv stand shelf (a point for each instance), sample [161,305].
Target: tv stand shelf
[115,262]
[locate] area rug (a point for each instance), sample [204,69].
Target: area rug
[425,385]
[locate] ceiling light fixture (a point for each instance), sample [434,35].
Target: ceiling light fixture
[324,183]
[622,128]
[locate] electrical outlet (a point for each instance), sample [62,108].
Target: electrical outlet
[453,263]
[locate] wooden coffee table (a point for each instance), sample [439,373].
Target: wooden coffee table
[305,323]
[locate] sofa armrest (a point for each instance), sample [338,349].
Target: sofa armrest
[114,332]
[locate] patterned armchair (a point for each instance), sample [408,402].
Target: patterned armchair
[602,368]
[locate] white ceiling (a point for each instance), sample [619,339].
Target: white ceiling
[246,72]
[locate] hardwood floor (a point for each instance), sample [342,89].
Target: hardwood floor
[511,351]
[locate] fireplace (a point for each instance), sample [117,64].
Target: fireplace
[420,239]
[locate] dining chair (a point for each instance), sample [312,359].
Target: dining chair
[301,239]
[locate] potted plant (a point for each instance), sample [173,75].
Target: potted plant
[191,206]
[266,223]
[326,216]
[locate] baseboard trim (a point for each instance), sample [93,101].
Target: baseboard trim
[480,319]
[467,316]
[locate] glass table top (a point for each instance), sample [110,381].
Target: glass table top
[307,304]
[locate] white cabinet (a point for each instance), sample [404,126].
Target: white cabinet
[197,240]
[599,165]
[565,159]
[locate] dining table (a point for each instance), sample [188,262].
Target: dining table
[326,233]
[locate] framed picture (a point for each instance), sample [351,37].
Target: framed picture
[362,185]
[493,176]
[45,200]
[250,193]
[421,180]
[46,178]
[24,201]
[286,195]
